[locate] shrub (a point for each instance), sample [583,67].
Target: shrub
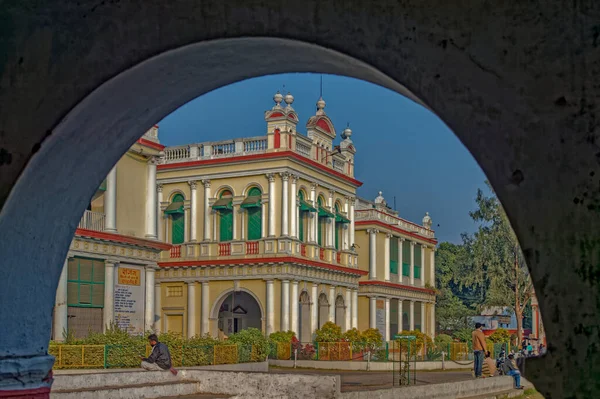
[442,341]
[500,335]
[308,352]
[282,336]
[372,339]
[330,332]
[419,343]
[352,335]
[254,337]
[464,335]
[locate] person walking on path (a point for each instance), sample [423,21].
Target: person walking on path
[479,348]
[159,359]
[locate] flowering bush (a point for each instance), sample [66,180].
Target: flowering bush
[330,332]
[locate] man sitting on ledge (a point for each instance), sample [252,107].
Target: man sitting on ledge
[159,359]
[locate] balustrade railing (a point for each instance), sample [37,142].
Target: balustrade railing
[338,165]
[252,248]
[255,145]
[303,149]
[92,221]
[225,249]
[223,149]
[175,251]
[177,153]
[374,214]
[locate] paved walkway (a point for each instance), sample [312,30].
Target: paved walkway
[371,380]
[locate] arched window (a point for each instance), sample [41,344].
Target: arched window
[225,209]
[253,207]
[323,310]
[340,312]
[175,211]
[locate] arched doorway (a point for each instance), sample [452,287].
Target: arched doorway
[237,311]
[305,327]
[340,312]
[323,309]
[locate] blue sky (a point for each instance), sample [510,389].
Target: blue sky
[402,149]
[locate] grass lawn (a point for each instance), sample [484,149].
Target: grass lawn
[531,394]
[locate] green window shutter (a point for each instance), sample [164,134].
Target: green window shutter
[177,228]
[254,192]
[85,283]
[301,226]
[406,251]
[394,249]
[394,266]
[418,260]
[225,225]
[320,232]
[405,269]
[337,236]
[417,271]
[254,223]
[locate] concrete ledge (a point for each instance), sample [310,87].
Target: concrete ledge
[448,390]
[362,366]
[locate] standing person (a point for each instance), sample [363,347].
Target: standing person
[159,359]
[510,368]
[479,348]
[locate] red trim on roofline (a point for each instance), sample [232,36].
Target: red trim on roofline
[102,235]
[396,285]
[399,230]
[243,261]
[151,144]
[268,155]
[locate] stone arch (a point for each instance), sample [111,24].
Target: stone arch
[225,187]
[340,312]
[249,186]
[173,193]
[214,312]
[304,304]
[323,309]
[502,100]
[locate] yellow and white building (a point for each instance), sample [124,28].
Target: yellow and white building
[267,232]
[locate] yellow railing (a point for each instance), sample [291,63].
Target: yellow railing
[78,356]
[458,351]
[225,354]
[335,350]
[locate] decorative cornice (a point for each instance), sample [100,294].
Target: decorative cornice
[397,286]
[151,144]
[102,235]
[193,184]
[285,176]
[159,187]
[416,236]
[206,183]
[270,177]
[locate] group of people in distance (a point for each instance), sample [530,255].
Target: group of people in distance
[485,365]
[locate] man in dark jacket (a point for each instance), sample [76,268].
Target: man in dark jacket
[510,368]
[160,358]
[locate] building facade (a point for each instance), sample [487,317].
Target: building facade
[267,232]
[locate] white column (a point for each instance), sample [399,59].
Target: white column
[412,263]
[285,204]
[354,308]
[243,224]
[234,226]
[294,304]
[411,316]
[191,308]
[263,220]
[372,254]
[423,318]
[205,328]
[332,304]
[432,267]
[351,217]
[294,208]
[157,308]
[206,211]
[193,210]
[108,313]
[186,230]
[432,320]
[387,320]
[110,201]
[149,308]
[61,320]
[346,240]
[314,225]
[422,265]
[285,305]
[151,198]
[400,316]
[400,259]
[331,221]
[348,303]
[159,215]
[214,224]
[271,205]
[270,307]
[372,312]
[314,308]
[386,257]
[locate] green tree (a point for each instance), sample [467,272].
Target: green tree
[496,265]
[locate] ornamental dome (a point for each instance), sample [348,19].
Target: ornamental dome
[289,99]
[277,98]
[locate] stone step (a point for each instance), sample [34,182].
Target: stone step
[134,391]
[199,396]
[512,393]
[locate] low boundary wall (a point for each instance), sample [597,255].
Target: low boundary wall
[362,366]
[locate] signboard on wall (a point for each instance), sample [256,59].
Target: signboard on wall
[129,298]
[380,317]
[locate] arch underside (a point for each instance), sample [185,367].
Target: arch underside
[72,103]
